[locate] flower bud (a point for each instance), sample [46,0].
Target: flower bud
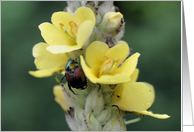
[94,102]
[74,5]
[77,101]
[116,123]
[121,33]
[79,115]
[112,23]
[90,123]
[69,115]
[100,8]
[104,7]
[108,39]
[104,116]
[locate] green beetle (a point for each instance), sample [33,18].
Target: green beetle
[74,75]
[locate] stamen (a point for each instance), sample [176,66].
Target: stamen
[118,60]
[69,35]
[61,26]
[106,57]
[76,26]
[106,62]
[73,28]
[108,65]
[114,61]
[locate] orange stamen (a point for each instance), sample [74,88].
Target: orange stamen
[76,26]
[118,60]
[106,57]
[61,26]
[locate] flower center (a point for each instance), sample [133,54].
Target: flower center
[72,31]
[108,66]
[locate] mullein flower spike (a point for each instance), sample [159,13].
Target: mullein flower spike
[101,85]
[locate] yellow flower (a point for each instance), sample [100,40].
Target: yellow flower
[46,62]
[136,97]
[59,97]
[103,63]
[68,33]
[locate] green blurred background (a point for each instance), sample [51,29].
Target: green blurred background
[152,29]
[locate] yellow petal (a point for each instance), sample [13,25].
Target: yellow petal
[62,17]
[118,52]
[46,60]
[150,87]
[159,116]
[88,72]
[84,32]
[59,97]
[83,13]
[129,65]
[46,72]
[95,54]
[134,75]
[113,79]
[122,42]
[54,36]
[135,96]
[56,49]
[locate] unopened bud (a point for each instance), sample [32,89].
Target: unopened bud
[79,115]
[108,39]
[104,116]
[112,23]
[94,102]
[77,101]
[121,33]
[69,115]
[116,123]
[105,6]
[90,123]
[74,5]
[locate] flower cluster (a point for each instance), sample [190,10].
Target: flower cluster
[101,72]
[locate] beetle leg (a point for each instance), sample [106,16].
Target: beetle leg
[84,87]
[99,86]
[71,88]
[61,79]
